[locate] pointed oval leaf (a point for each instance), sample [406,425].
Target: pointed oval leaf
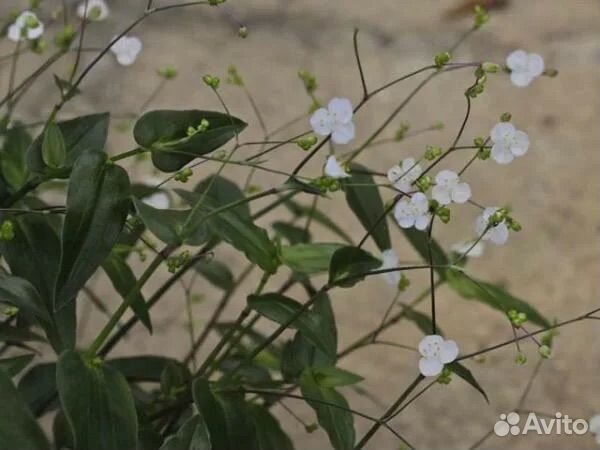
[193,435]
[349,265]
[20,293]
[308,258]
[466,375]
[13,157]
[38,387]
[54,150]
[165,134]
[329,377]
[269,434]
[13,366]
[97,403]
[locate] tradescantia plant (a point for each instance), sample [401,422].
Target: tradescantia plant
[51,252]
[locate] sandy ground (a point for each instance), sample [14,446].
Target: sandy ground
[553,262]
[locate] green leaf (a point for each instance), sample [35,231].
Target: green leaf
[79,134]
[329,377]
[193,435]
[20,293]
[216,273]
[34,255]
[13,156]
[54,150]
[171,226]
[300,210]
[13,366]
[493,296]
[267,358]
[226,417]
[222,191]
[366,203]
[466,375]
[14,334]
[38,387]
[281,309]
[165,134]
[293,234]
[418,239]
[18,428]
[348,264]
[235,229]
[123,279]
[308,258]
[269,434]
[142,368]
[338,422]
[97,206]
[422,321]
[97,403]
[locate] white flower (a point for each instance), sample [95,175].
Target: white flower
[413,212]
[498,234]
[448,188]
[508,142]
[475,250]
[158,199]
[126,50]
[435,352]
[27,26]
[404,175]
[336,120]
[389,260]
[525,67]
[96,10]
[333,169]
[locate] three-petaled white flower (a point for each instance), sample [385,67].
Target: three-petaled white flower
[389,260]
[448,188]
[158,199]
[333,169]
[126,50]
[594,427]
[335,120]
[413,212]
[497,234]
[472,249]
[435,352]
[26,26]
[404,175]
[524,67]
[96,10]
[508,142]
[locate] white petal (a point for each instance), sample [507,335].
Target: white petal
[405,221]
[126,59]
[535,64]
[521,79]
[408,164]
[420,201]
[158,200]
[93,5]
[430,367]
[517,60]
[461,193]
[446,178]
[428,343]
[321,122]
[500,130]
[501,154]
[594,424]
[441,194]
[499,234]
[333,168]
[422,222]
[14,33]
[343,132]
[474,251]
[340,109]
[35,33]
[448,351]
[394,174]
[521,143]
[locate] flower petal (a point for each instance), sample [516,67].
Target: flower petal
[430,367]
[501,154]
[333,168]
[521,143]
[448,351]
[461,193]
[521,79]
[340,109]
[441,194]
[446,178]
[498,235]
[500,130]
[342,132]
[394,173]
[419,200]
[429,343]
[14,33]
[422,222]
[321,122]
[158,200]
[517,60]
[535,64]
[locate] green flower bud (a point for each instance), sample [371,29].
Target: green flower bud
[521,359]
[441,59]
[478,141]
[7,230]
[481,17]
[404,283]
[544,351]
[183,175]
[432,152]
[484,153]
[168,72]
[550,73]
[401,131]
[211,81]
[64,38]
[243,31]
[10,311]
[253,189]
[445,377]
[38,46]
[307,142]
[443,212]
[309,80]
[490,67]
[234,77]
[513,224]
[506,117]
[424,183]
[31,22]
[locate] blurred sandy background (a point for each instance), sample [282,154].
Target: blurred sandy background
[553,263]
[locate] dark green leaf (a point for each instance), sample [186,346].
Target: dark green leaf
[173,377]
[80,134]
[18,428]
[221,192]
[268,358]
[418,239]
[54,150]
[123,279]
[142,368]
[329,377]
[293,234]
[493,296]
[97,206]
[63,438]
[466,375]
[308,258]
[304,211]
[269,434]
[20,293]
[165,134]
[282,310]
[349,264]
[38,386]
[226,417]
[337,421]
[14,334]
[13,157]
[193,435]
[97,403]
[217,273]
[12,366]
[366,203]
[66,89]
